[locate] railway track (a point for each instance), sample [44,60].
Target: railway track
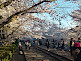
[52,54]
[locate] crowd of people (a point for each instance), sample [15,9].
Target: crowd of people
[27,44]
[74,46]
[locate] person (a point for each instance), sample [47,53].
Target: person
[71,40]
[26,44]
[78,58]
[62,45]
[36,42]
[16,42]
[40,42]
[33,43]
[47,43]
[58,44]
[20,46]
[75,50]
[53,42]
[29,45]
[78,40]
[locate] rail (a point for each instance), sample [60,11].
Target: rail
[52,54]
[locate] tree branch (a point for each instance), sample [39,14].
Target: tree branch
[9,19]
[6,4]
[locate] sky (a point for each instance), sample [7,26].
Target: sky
[63,9]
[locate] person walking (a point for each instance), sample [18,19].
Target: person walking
[63,46]
[78,58]
[53,43]
[29,45]
[36,42]
[40,42]
[26,44]
[75,50]
[78,40]
[20,46]
[71,40]
[58,45]
[47,43]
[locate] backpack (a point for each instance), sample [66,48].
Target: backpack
[76,44]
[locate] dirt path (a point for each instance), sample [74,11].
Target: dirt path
[17,56]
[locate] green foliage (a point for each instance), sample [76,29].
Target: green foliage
[6,52]
[1,17]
